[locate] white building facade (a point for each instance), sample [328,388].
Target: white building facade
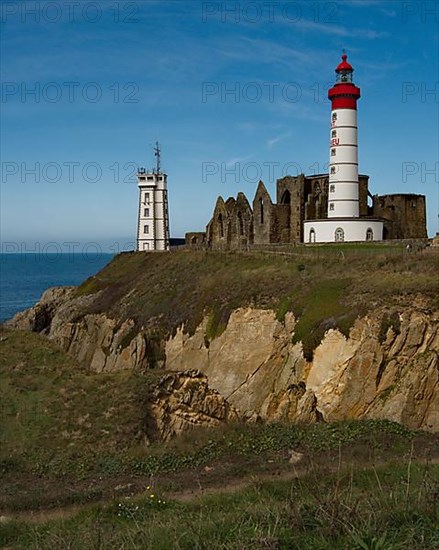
[153,218]
[343,222]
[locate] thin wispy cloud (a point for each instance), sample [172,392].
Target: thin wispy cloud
[365,3]
[273,141]
[388,12]
[339,30]
[238,160]
[267,51]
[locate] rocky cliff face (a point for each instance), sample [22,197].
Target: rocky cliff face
[258,369]
[388,367]
[97,341]
[183,400]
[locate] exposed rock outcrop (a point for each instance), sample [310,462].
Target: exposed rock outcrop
[384,369]
[39,317]
[102,343]
[183,400]
[257,368]
[95,340]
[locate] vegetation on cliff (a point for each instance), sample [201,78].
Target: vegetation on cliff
[324,287]
[74,437]
[70,436]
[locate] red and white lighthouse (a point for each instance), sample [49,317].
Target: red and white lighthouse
[343,222]
[343,150]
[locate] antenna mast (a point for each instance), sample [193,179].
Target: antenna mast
[157,154]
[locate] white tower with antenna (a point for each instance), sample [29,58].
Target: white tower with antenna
[153,219]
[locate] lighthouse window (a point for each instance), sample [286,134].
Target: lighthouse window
[146,229]
[334,116]
[334,133]
[332,188]
[142,178]
[332,152]
[150,178]
[331,206]
[146,212]
[312,235]
[147,197]
[332,169]
[339,235]
[369,234]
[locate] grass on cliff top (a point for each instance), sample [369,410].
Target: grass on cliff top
[164,291]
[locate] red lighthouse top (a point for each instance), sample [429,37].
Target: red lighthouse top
[344,65]
[344,94]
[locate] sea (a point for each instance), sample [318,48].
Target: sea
[24,277]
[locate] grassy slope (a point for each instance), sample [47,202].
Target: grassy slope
[385,508]
[49,403]
[163,291]
[69,436]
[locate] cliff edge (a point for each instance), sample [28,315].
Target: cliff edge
[291,338]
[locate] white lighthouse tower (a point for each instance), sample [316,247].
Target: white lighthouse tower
[343,222]
[153,219]
[343,169]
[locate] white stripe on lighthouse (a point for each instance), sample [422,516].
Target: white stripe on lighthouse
[343,200]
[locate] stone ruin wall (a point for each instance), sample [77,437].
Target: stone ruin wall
[235,224]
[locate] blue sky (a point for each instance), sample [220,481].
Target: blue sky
[232,96]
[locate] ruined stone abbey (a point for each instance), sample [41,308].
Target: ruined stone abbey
[332,207]
[235,223]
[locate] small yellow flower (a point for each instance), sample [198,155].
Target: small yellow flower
[151,496]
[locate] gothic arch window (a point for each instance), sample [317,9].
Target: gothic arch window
[369,234]
[261,210]
[221,225]
[339,235]
[286,197]
[312,235]
[240,224]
